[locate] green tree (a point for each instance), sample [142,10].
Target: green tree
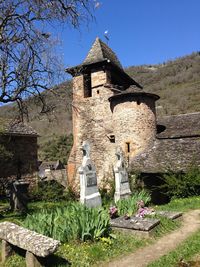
[57,148]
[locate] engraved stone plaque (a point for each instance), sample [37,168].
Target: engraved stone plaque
[124,176]
[91,178]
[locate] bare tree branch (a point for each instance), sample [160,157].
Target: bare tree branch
[27,64]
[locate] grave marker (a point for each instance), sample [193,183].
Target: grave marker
[89,194]
[122,188]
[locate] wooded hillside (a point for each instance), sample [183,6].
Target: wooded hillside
[177,82]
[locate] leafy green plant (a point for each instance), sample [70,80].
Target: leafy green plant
[70,194]
[71,222]
[48,191]
[129,205]
[181,185]
[107,190]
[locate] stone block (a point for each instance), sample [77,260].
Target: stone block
[38,244]
[172,215]
[6,250]
[142,227]
[33,261]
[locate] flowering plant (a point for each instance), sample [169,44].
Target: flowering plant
[113,212]
[142,210]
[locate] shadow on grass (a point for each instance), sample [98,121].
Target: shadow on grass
[12,216]
[50,261]
[54,261]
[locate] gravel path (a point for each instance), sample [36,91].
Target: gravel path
[144,256]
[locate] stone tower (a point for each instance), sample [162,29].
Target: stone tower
[106,111]
[134,120]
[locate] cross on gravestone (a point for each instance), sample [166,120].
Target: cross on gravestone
[122,188]
[89,194]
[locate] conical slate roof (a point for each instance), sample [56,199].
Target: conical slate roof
[100,52]
[134,91]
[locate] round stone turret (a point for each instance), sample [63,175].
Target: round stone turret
[134,119]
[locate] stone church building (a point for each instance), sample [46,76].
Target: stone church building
[110,109]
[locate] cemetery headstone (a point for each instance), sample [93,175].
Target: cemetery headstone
[89,194]
[122,188]
[19,195]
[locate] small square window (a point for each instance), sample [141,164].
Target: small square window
[111,138]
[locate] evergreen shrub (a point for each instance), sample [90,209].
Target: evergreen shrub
[48,191]
[182,185]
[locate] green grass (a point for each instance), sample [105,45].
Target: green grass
[92,253]
[15,260]
[187,250]
[166,225]
[181,204]
[88,253]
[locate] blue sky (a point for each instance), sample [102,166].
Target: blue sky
[140,31]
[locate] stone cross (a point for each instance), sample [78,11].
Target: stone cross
[122,188]
[89,194]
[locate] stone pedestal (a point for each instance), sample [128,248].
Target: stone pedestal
[32,260]
[122,188]
[19,195]
[89,194]
[6,250]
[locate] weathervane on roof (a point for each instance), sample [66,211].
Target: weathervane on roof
[106,36]
[97,4]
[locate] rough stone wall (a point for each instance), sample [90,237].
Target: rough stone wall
[92,122]
[98,78]
[134,123]
[24,160]
[95,119]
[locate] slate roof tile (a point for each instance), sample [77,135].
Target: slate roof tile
[18,129]
[175,149]
[100,52]
[178,126]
